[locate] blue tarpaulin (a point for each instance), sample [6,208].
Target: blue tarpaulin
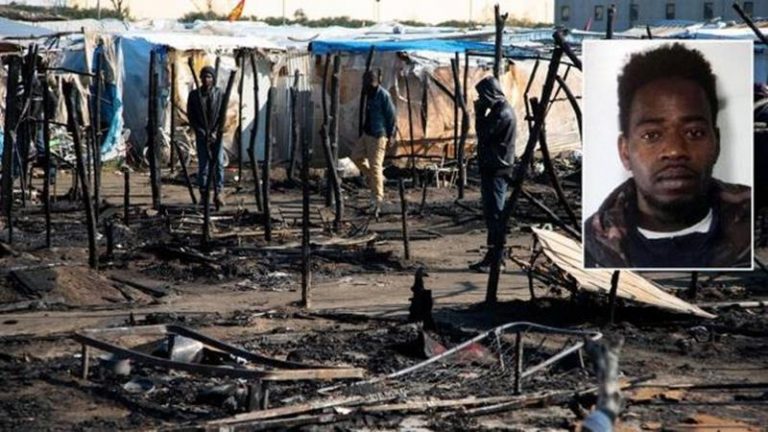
[321,47]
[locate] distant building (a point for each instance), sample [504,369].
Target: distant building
[593,14]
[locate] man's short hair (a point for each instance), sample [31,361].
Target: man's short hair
[667,61]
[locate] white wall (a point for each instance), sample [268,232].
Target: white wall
[602,168]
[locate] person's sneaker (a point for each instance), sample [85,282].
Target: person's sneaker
[485,267]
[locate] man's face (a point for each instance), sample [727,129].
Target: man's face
[207,80]
[671,145]
[371,82]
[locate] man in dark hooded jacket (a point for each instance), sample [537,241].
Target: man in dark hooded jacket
[203,106]
[496,124]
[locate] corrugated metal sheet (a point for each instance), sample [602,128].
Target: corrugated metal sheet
[567,255]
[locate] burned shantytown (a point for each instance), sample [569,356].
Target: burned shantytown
[237,215]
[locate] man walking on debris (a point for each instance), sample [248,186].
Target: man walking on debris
[672,212]
[495,123]
[378,129]
[203,106]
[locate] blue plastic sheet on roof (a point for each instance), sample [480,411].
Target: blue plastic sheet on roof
[321,47]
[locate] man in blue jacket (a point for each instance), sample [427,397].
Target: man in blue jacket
[496,127]
[378,128]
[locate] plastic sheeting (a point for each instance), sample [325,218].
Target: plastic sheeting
[321,47]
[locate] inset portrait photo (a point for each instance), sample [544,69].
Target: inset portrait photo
[668,148]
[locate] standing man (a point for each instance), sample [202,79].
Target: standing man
[378,129]
[203,106]
[496,124]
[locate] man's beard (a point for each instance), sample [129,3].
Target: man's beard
[683,206]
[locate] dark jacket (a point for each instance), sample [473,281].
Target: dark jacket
[612,240]
[379,114]
[496,126]
[212,103]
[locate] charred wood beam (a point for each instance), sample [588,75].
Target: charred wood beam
[329,133]
[295,144]
[239,131]
[572,100]
[306,142]
[325,133]
[566,49]
[268,166]
[74,129]
[213,161]
[254,133]
[460,102]
[556,219]
[363,96]
[97,136]
[9,147]
[441,86]
[174,110]
[609,24]
[47,155]
[410,128]
[154,169]
[525,161]
[499,20]
[750,23]
[612,296]
[404,217]
[526,99]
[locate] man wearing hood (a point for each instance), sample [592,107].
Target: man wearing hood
[203,106]
[496,124]
[378,129]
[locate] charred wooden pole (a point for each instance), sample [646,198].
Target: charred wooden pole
[172,135]
[464,125]
[97,136]
[574,232]
[522,167]
[268,166]
[528,110]
[27,125]
[216,70]
[455,100]
[47,149]
[499,20]
[295,144]
[519,352]
[424,112]
[550,168]
[74,128]
[648,32]
[333,174]
[572,99]
[363,95]
[239,131]
[612,295]
[404,217]
[693,287]
[126,195]
[254,134]
[306,265]
[325,134]
[335,103]
[213,161]
[175,148]
[461,103]
[154,171]
[750,23]
[9,140]
[609,24]
[410,130]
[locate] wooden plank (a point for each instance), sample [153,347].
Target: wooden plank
[567,255]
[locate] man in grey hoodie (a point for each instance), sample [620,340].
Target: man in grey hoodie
[495,123]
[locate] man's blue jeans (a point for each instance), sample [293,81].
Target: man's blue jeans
[202,164]
[494,193]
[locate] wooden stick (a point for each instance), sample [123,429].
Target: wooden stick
[404,216]
[126,195]
[612,294]
[239,131]
[325,134]
[268,167]
[47,144]
[410,129]
[154,173]
[254,133]
[295,144]
[306,270]
[97,137]
[172,135]
[609,25]
[335,103]
[74,128]
[9,142]
[363,96]
[499,21]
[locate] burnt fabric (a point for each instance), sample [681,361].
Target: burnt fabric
[611,238]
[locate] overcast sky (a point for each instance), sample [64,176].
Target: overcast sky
[432,11]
